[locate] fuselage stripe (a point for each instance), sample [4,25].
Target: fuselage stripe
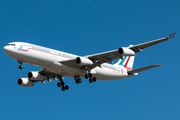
[61,56]
[110,68]
[44,52]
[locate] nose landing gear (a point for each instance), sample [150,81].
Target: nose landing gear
[20,62]
[21,66]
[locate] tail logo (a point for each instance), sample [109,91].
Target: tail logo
[125,62]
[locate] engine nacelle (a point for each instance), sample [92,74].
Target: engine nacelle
[126,51]
[83,61]
[34,75]
[25,82]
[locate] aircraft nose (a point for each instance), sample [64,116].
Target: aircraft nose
[9,51]
[5,48]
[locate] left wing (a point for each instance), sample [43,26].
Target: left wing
[108,56]
[48,74]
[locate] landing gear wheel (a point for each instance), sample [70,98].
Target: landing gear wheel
[59,84]
[94,79]
[86,76]
[62,83]
[90,75]
[19,61]
[67,87]
[21,67]
[63,88]
[80,81]
[90,80]
[77,81]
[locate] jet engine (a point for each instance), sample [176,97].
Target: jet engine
[83,61]
[34,75]
[126,51]
[25,82]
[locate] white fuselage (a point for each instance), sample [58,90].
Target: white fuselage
[53,61]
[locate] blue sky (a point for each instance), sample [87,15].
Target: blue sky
[86,27]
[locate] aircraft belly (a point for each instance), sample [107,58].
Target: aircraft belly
[64,70]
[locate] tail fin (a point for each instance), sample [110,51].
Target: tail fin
[127,62]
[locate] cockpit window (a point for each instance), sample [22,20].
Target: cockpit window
[11,45]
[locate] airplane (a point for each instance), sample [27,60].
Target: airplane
[56,64]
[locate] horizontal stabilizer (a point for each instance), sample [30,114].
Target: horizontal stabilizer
[142,69]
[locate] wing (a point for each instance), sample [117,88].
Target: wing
[48,74]
[108,56]
[139,47]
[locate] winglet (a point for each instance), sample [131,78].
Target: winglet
[172,35]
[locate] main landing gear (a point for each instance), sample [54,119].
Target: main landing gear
[89,75]
[62,84]
[91,79]
[20,62]
[77,79]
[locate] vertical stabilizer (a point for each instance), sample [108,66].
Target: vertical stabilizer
[127,62]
